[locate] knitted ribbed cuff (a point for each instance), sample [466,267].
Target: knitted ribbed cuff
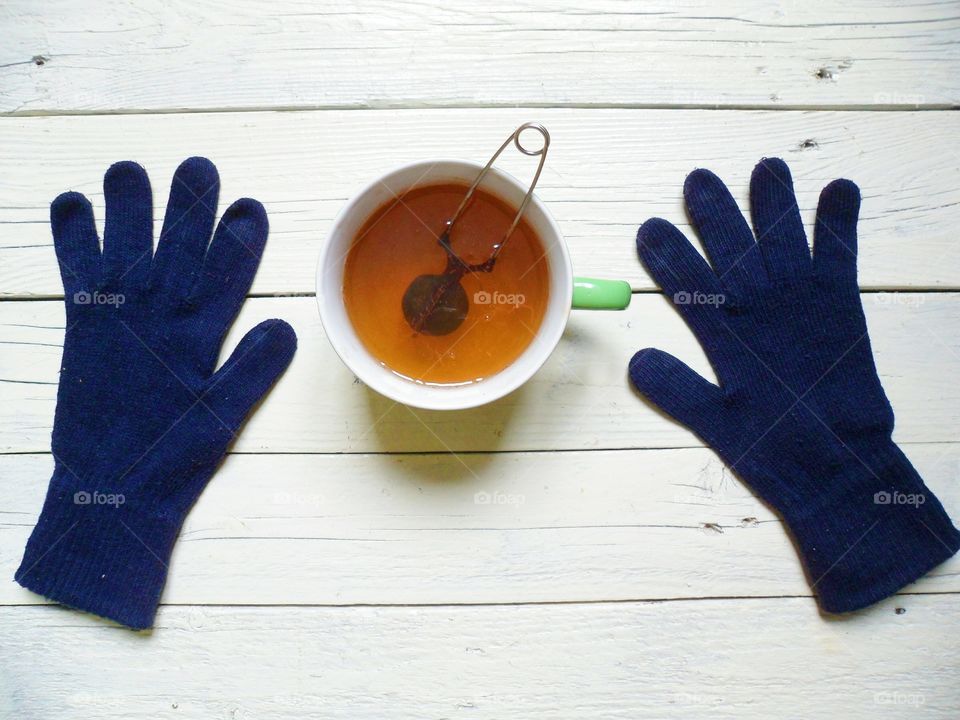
[93,551]
[867,537]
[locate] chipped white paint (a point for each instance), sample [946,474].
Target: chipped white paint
[722,659]
[581,399]
[482,528]
[608,171]
[573,565]
[141,55]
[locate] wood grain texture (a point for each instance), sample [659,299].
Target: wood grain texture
[608,171]
[581,399]
[137,55]
[479,528]
[580,556]
[725,660]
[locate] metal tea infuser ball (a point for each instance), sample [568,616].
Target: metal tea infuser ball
[438,304]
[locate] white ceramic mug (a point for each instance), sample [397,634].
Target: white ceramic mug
[593,294]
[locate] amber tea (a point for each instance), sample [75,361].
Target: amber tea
[445,314]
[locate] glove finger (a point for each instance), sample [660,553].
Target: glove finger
[835,234]
[683,274]
[75,240]
[259,359]
[723,230]
[776,219]
[679,391]
[672,261]
[187,226]
[230,265]
[128,233]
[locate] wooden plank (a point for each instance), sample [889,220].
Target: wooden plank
[608,171]
[480,528]
[727,660]
[581,399]
[133,55]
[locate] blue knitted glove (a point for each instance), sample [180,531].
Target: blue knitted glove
[799,414]
[143,417]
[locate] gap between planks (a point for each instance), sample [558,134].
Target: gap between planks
[642,291]
[441,453]
[494,604]
[825,107]
[439,606]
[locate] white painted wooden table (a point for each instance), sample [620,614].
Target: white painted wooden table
[338,566]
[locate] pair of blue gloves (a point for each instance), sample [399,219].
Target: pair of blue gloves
[144,417]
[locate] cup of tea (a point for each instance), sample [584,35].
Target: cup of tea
[425,318]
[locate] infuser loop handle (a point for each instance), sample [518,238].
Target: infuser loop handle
[515,138]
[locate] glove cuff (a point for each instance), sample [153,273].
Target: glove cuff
[870,535]
[94,551]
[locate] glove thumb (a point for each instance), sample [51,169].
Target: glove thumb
[677,390]
[256,363]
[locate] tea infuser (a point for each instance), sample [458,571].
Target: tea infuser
[438,304]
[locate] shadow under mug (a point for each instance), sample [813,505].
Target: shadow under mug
[566,291]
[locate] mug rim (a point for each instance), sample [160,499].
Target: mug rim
[440,397]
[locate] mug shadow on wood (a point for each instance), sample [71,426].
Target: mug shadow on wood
[469,435]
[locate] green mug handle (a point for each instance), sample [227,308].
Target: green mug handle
[594,294]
